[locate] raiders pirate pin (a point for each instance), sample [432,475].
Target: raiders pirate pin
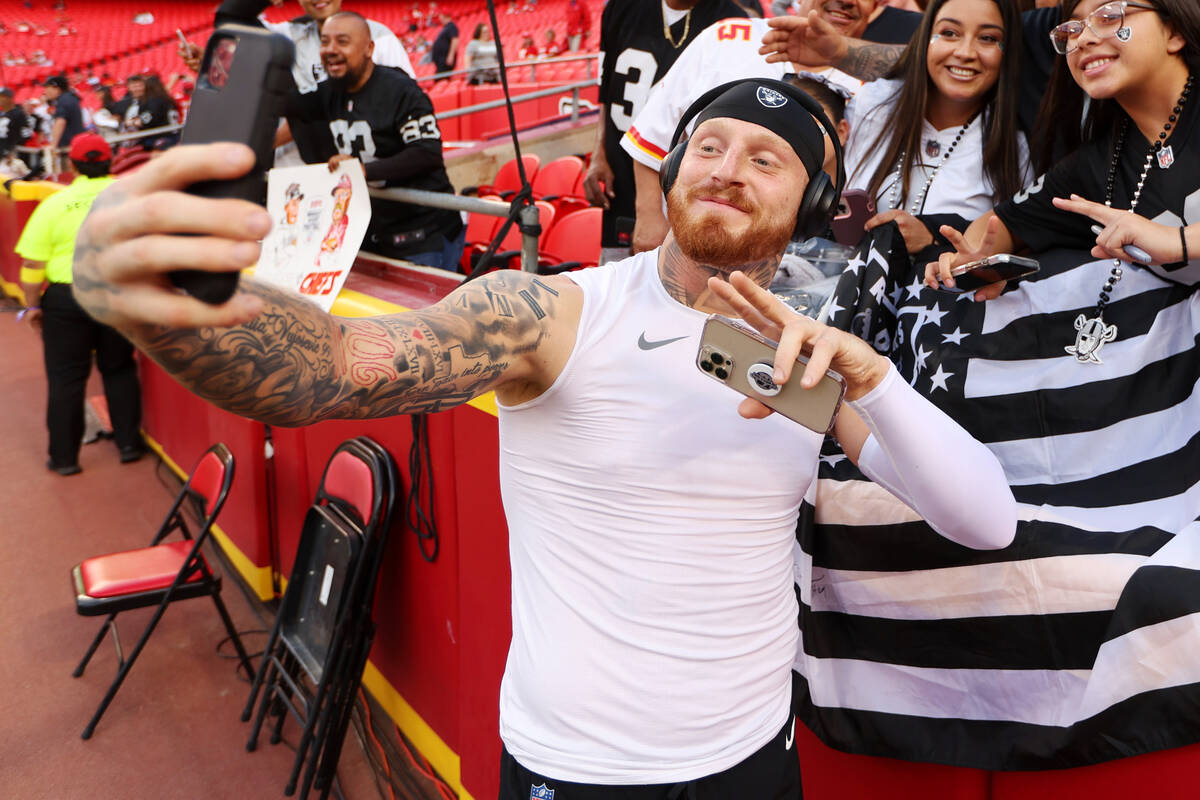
[1092,335]
[1125,33]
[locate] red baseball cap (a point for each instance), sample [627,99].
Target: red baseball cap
[91,148]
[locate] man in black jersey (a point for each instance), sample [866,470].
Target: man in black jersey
[640,41]
[379,116]
[15,126]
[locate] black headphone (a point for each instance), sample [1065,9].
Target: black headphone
[820,200]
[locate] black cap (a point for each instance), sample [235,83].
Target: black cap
[57,81]
[5,91]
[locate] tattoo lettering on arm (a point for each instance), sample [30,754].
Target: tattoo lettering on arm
[868,61]
[295,365]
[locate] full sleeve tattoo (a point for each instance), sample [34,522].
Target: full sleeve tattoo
[295,365]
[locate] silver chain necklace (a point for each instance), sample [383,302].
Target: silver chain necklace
[1092,334]
[918,203]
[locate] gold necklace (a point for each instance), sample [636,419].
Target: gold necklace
[687,22]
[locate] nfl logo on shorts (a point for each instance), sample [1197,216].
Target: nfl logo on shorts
[540,793]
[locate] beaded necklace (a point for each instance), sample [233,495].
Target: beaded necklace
[918,203]
[1092,334]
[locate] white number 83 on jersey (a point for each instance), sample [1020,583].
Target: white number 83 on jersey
[425,127]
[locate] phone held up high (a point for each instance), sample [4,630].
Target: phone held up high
[743,359]
[245,76]
[1001,267]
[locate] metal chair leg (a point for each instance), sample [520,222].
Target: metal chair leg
[233,634]
[125,667]
[95,644]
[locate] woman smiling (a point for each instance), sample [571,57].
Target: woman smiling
[938,135]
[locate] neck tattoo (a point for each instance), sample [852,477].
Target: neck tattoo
[687,24]
[687,281]
[918,203]
[1092,334]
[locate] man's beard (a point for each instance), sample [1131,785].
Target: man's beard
[704,239]
[347,80]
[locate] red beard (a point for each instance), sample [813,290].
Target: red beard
[704,238]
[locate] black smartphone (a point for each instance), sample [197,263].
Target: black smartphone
[244,79]
[1001,267]
[854,209]
[743,359]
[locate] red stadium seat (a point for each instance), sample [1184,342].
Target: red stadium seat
[556,184]
[573,242]
[508,179]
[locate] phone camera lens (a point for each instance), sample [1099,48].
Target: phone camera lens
[717,358]
[706,366]
[721,373]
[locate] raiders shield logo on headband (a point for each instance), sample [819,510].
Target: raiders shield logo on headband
[770,98]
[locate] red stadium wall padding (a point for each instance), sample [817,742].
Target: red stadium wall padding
[1165,775]
[829,774]
[485,622]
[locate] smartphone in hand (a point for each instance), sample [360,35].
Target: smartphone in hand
[244,79]
[743,359]
[1000,267]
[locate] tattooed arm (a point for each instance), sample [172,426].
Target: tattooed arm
[812,40]
[273,356]
[293,364]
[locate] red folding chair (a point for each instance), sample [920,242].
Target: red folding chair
[160,574]
[573,242]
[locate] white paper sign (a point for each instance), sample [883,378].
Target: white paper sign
[320,220]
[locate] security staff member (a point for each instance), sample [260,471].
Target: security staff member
[69,335]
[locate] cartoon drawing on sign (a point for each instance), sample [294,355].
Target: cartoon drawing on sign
[289,234]
[332,243]
[320,218]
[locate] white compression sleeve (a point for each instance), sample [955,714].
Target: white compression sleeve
[922,456]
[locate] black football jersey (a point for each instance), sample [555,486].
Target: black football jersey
[637,54]
[387,115]
[15,127]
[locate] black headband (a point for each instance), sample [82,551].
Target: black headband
[751,101]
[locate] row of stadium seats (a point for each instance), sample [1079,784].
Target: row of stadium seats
[570,228]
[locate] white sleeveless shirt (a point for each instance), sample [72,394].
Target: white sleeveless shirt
[650,535]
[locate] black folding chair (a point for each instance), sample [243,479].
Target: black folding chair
[319,624]
[160,574]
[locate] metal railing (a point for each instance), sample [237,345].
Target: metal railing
[534,63]
[528,221]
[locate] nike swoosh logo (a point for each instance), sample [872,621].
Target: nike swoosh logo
[791,737]
[646,344]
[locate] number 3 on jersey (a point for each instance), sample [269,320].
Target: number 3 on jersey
[353,138]
[635,92]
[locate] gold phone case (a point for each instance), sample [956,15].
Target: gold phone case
[743,359]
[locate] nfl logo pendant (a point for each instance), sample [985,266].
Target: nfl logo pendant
[1092,334]
[932,148]
[540,793]
[1166,157]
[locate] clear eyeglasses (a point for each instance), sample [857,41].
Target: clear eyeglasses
[1104,22]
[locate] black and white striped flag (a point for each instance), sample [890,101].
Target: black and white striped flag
[1081,641]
